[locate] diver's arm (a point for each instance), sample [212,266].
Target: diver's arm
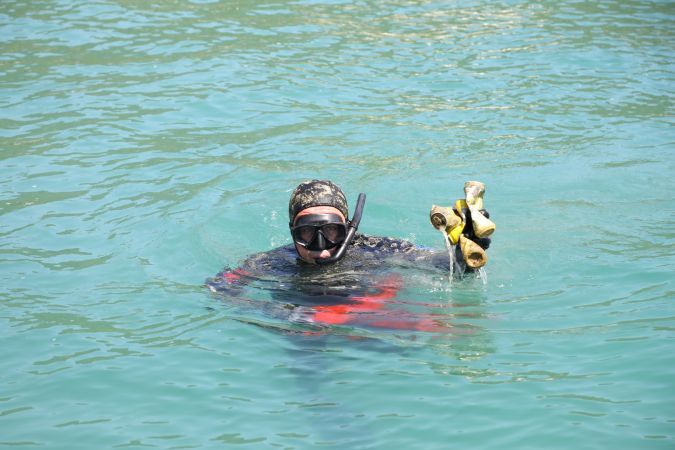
[228,281]
[232,281]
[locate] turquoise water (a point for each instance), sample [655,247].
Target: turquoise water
[144,146]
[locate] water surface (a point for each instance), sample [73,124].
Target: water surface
[146,146]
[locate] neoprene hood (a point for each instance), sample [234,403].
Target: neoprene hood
[316,193]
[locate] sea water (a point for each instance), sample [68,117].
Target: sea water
[144,146]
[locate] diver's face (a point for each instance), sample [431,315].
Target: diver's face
[331,233]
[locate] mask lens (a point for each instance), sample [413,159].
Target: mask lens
[334,232]
[304,234]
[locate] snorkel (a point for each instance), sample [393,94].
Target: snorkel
[351,232]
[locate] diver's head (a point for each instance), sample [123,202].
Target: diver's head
[318,232]
[318,214]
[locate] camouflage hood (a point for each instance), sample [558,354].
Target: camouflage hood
[316,193]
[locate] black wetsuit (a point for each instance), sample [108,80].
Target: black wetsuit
[367,258]
[353,290]
[367,255]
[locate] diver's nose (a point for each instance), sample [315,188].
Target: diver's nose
[319,242]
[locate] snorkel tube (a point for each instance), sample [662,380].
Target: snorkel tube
[353,226]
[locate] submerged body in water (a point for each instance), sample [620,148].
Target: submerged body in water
[354,290]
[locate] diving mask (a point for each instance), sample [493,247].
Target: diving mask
[319,231]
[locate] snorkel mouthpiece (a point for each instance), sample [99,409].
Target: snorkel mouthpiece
[353,226]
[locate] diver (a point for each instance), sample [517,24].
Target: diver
[335,272]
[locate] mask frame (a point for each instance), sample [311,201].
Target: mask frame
[319,231]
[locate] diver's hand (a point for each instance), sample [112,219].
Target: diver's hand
[483,243]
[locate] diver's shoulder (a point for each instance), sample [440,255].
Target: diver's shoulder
[275,258]
[384,244]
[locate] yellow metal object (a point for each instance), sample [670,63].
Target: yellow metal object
[452,220]
[454,232]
